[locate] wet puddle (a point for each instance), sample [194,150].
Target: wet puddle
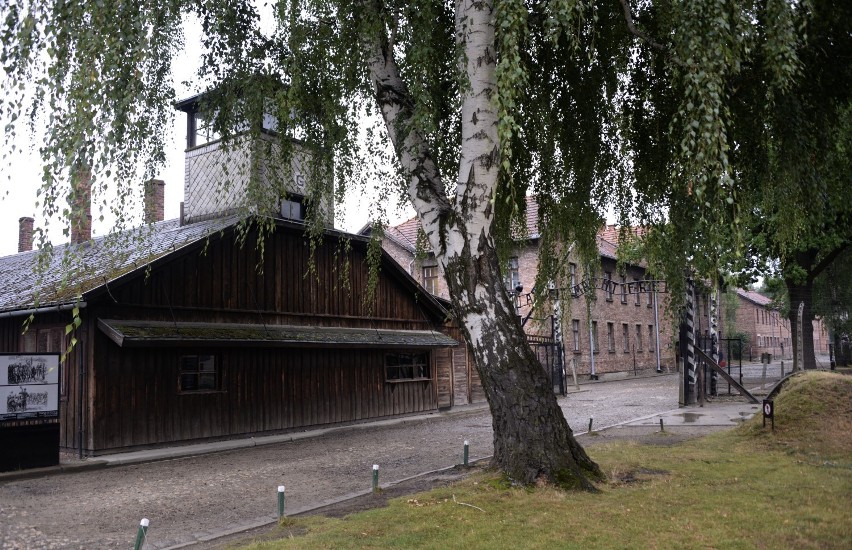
[690,417]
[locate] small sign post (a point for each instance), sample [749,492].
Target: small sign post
[769,412]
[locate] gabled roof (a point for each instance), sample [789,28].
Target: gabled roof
[404,234]
[98,262]
[612,233]
[606,248]
[103,261]
[754,297]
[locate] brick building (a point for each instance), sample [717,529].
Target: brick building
[767,329]
[621,327]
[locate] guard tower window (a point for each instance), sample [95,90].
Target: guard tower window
[293,208]
[201,130]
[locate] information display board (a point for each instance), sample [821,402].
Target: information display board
[29,386]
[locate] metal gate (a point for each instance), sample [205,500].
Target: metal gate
[549,354]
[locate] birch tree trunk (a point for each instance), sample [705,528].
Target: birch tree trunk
[531,436]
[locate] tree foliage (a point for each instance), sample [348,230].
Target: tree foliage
[675,115]
[795,155]
[833,294]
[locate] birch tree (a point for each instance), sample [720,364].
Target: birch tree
[591,106]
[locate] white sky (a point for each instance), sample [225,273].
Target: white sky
[20,179]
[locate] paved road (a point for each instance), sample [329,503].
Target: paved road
[189,498]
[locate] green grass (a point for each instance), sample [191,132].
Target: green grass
[745,488]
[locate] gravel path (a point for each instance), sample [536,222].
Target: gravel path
[189,497]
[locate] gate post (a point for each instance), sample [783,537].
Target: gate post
[690,381]
[714,334]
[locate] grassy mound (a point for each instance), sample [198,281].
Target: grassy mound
[813,416]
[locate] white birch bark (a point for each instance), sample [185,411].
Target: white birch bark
[531,437]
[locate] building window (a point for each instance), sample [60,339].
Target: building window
[625,333]
[430,278]
[638,337]
[198,373]
[651,338]
[610,337]
[572,277]
[638,296]
[513,276]
[608,285]
[47,340]
[401,367]
[202,131]
[43,340]
[649,293]
[293,208]
[575,327]
[623,289]
[595,336]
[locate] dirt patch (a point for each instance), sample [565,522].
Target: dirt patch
[638,475]
[646,435]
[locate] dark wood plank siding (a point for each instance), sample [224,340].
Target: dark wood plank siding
[131,396]
[225,277]
[461,376]
[477,394]
[444,376]
[263,390]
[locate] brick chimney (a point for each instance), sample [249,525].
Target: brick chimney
[81,206]
[154,201]
[25,234]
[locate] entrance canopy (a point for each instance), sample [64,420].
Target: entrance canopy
[131,333]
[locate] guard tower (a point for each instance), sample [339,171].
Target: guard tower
[247,175]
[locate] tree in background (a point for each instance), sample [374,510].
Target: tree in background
[795,156]
[833,301]
[775,289]
[590,106]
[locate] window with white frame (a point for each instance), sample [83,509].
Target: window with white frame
[430,278]
[572,278]
[610,337]
[575,328]
[608,285]
[636,287]
[513,275]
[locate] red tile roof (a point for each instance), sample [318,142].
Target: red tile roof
[405,233]
[612,232]
[754,297]
[606,248]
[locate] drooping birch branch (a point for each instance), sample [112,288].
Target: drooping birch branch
[425,187]
[631,26]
